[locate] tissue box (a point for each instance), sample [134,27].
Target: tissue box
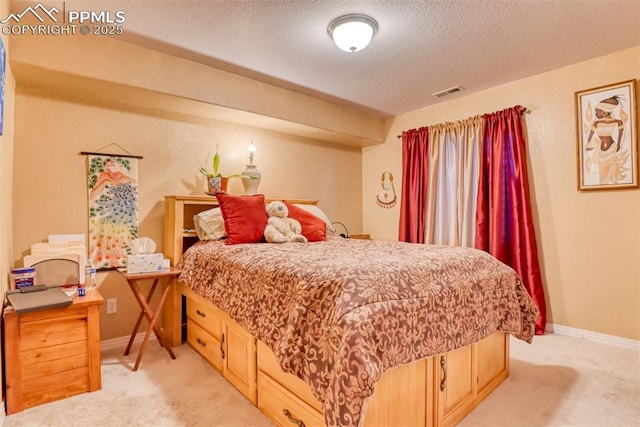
[145,263]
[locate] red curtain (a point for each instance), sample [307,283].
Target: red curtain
[504,225]
[415,146]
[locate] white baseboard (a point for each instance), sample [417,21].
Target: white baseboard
[593,336]
[3,414]
[121,342]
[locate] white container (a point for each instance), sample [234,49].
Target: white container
[90,276]
[23,277]
[145,263]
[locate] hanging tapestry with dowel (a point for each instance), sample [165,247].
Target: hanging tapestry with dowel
[113,209]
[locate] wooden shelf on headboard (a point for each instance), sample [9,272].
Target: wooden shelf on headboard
[178,218]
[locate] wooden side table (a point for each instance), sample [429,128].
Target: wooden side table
[147,311]
[52,354]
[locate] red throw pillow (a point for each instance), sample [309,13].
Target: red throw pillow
[245,217]
[313,228]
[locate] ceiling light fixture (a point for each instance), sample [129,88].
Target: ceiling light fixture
[353,32]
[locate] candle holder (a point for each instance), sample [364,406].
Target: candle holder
[251,176]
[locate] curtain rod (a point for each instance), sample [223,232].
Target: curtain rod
[524,110]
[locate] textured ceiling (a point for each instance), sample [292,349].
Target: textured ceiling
[421,46]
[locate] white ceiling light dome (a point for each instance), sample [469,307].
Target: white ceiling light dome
[353,32]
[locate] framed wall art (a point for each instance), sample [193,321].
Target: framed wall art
[607,137]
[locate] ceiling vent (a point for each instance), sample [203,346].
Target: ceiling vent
[447,92]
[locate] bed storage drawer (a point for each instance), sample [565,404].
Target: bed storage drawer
[225,344]
[205,344]
[465,376]
[283,407]
[207,316]
[268,364]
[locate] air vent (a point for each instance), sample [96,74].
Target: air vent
[447,92]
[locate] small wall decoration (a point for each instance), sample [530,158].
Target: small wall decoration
[607,137]
[113,209]
[386,197]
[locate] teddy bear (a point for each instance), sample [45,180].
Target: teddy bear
[279,227]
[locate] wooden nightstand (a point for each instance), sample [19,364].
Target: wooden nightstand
[52,354]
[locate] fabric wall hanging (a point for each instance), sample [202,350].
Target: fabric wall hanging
[113,209]
[386,197]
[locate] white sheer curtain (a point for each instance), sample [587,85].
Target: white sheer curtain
[454,152]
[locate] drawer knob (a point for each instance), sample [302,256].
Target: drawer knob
[202,343]
[201,314]
[296,421]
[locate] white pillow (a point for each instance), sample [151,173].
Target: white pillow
[209,225]
[317,212]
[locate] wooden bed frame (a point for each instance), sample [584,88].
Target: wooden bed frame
[438,391]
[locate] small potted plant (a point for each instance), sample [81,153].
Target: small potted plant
[216,183]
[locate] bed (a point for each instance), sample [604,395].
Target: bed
[348,318]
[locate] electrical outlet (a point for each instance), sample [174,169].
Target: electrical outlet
[112,305]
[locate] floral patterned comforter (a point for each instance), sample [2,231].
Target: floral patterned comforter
[341,312]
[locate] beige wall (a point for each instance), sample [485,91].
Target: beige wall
[6,178]
[50,195]
[6,168]
[588,242]
[108,67]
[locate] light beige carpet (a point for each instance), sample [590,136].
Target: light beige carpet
[556,381]
[564,381]
[186,391]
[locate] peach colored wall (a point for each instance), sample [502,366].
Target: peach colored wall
[50,177]
[78,63]
[6,167]
[588,242]
[6,178]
